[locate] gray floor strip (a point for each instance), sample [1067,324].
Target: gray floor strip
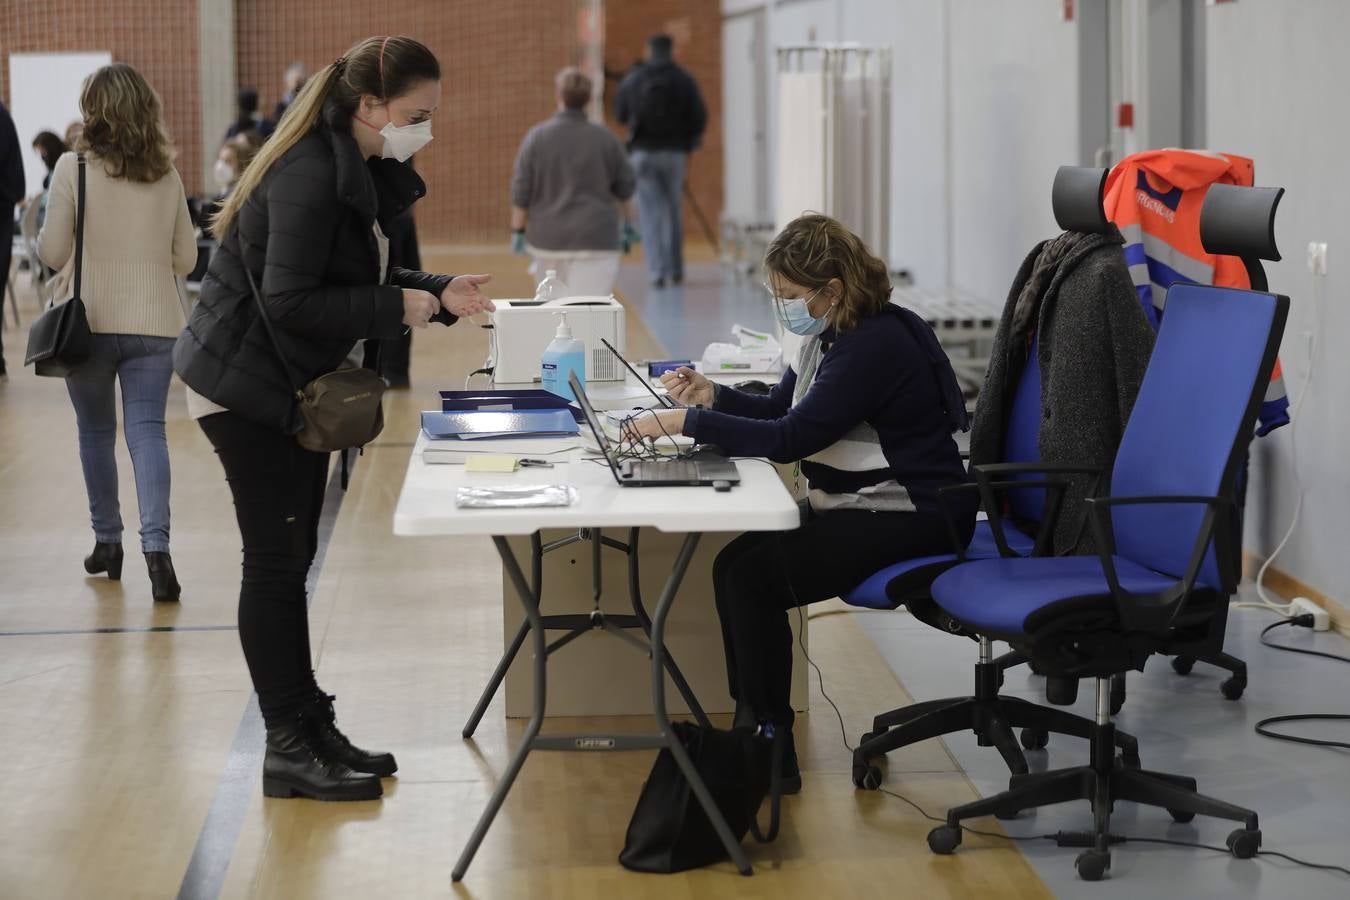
[205,874]
[148,630]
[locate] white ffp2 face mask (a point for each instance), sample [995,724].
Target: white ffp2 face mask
[402,141]
[224,174]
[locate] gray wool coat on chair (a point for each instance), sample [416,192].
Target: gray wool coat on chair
[1094,345]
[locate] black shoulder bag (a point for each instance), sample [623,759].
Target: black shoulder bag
[341,409]
[669,831]
[59,339]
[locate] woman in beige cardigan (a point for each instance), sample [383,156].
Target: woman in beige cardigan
[137,239]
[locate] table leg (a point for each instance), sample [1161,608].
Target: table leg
[733,846]
[504,664]
[530,600]
[640,610]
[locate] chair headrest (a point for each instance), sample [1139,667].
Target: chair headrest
[1240,221]
[1077,200]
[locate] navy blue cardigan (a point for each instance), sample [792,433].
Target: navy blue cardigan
[888,372]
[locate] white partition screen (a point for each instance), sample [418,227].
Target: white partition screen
[833,137]
[44,92]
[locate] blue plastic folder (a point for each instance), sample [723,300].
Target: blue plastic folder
[480,424]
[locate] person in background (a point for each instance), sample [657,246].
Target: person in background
[247,117]
[292,81]
[11,194]
[49,149]
[661,105]
[306,224]
[137,239]
[73,132]
[231,163]
[868,408]
[571,181]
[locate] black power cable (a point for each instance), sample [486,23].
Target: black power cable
[1263,727]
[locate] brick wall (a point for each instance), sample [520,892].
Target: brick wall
[158,38]
[696,26]
[497,58]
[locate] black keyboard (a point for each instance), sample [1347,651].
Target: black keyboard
[674,470]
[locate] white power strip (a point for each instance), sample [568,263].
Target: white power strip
[1301,606]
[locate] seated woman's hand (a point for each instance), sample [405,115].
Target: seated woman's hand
[654,424]
[463,297]
[688,387]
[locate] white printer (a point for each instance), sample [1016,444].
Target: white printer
[523,329]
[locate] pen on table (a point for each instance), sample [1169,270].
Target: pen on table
[536,463]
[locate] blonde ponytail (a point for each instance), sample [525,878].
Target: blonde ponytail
[300,118]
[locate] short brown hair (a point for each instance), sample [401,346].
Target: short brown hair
[813,249]
[123,126]
[574,87]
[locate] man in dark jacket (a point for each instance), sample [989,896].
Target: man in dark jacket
[11,192]
[660,104]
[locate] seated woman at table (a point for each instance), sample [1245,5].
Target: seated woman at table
[868,408]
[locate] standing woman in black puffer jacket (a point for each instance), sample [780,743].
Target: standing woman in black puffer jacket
[308,220]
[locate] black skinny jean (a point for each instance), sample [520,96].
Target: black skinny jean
[278,489]
[759,576]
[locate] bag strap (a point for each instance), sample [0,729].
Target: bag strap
[775,792]
[267,324]
[79,228]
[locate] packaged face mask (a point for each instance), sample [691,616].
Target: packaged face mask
[515,496]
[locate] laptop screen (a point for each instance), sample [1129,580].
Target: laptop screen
[667,402]
[593,421]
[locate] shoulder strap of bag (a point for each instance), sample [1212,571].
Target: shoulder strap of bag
[775,793]
[79,229]
[267,324]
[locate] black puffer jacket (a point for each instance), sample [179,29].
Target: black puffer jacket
[306,233]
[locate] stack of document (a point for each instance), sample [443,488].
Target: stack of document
[453,436]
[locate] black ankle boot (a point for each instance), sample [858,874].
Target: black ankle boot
[105,558]
[296,766]
[163,581]
[336,745]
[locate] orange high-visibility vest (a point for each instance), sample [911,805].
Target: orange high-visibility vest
[1154,198]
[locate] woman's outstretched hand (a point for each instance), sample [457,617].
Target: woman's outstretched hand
[464,298]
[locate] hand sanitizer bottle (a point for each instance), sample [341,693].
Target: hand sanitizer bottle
[564,354]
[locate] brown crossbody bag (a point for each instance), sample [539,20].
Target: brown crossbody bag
[341,409]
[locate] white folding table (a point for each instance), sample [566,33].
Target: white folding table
[427,507]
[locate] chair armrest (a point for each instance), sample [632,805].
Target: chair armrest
[1055,491]
[986,490]
[1151,611]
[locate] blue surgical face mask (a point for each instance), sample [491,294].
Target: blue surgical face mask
[796,317]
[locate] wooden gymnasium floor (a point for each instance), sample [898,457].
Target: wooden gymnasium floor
[120,720]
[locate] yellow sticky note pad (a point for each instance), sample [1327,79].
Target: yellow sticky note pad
[490,462]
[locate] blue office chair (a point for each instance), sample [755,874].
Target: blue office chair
[1032,499]
[1165,563]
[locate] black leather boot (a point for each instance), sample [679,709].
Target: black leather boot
[335,744]
[163,581]
[105,558]
[295,766]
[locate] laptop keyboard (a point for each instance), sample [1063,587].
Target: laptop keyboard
[674,470]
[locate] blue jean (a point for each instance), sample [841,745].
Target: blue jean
[660,197]
[143,365]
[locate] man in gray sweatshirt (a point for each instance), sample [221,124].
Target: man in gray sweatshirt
[572,180]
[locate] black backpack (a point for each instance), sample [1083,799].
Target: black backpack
[662,105]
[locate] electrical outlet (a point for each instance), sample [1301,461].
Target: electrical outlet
[1317,257]
[1303,606]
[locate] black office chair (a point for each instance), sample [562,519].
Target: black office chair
[1032,495]
[1166,565]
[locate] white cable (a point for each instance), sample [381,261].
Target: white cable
[1265,602]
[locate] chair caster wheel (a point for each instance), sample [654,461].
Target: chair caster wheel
[1092,864]
[867,777]
[1233,687]
[1181,816]
[1035,738]
[1182,665]
[944,839]
[1244,843]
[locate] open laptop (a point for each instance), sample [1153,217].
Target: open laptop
[704,469]
[666,401]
